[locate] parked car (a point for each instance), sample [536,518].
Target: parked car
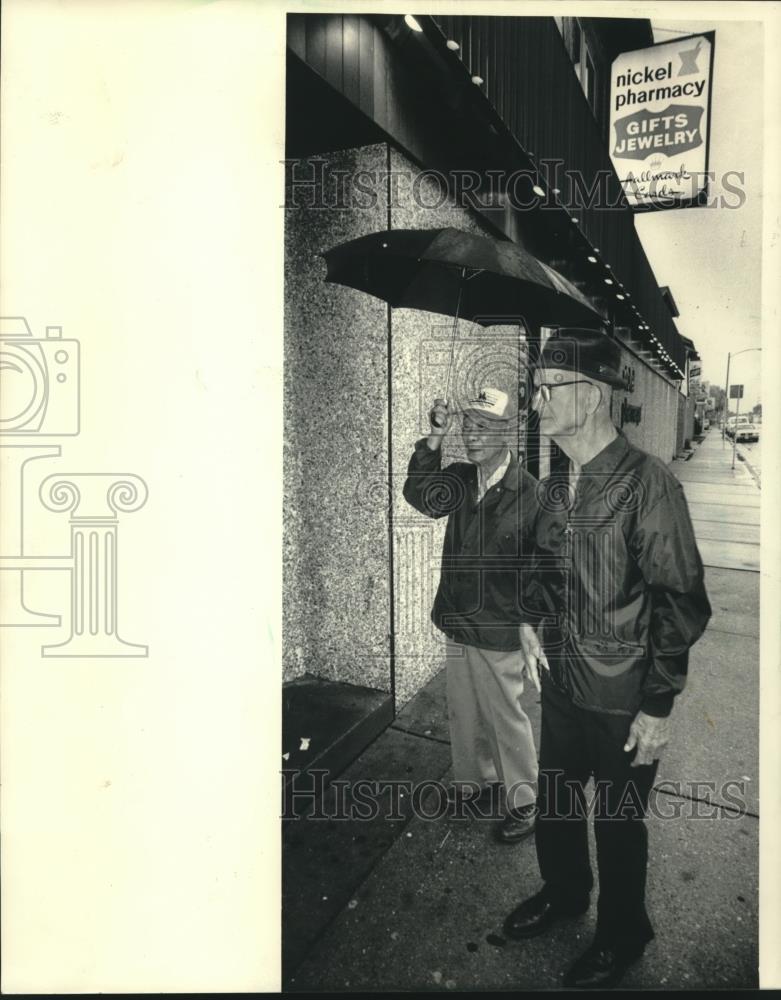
[747,432]
[742,429]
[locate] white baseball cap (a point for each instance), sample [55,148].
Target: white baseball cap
[491,403]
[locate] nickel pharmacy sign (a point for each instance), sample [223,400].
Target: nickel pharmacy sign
[660,100]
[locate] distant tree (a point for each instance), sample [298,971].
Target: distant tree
[717,394]
[757,411]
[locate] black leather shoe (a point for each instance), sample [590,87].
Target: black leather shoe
[516,825]
[600,967]
[536,914]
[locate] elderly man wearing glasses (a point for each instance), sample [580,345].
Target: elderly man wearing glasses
[490,504]
[618,600]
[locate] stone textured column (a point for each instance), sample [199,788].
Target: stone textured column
[94,501]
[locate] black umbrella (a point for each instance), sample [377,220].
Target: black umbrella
[459,274]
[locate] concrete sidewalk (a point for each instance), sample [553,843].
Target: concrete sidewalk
[414,904]
[724,505]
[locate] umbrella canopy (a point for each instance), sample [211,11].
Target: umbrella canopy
[450,272]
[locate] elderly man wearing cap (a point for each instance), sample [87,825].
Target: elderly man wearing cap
[617,602]
[490,503]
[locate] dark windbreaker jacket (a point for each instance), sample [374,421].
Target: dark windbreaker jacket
[617,590]
[611,576]
[478,602]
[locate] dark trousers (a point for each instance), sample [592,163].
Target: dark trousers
[576,744]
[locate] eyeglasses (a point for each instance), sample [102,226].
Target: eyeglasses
[545,387]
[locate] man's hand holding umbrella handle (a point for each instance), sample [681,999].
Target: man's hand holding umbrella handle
[650,735]
[440,418]
[532,655]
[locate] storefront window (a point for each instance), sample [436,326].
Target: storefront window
[589,84]
[576,39]
[582,59]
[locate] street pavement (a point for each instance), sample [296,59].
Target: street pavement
[418,904]
[751,453]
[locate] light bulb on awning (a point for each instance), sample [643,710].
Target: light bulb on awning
[410,21]
[453,46]
[538,191]
[591,260]
[477,80]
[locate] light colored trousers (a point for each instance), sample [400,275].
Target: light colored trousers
[491,737]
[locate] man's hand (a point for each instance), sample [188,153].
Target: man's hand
[440,419]
[532,655]
[650,735]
